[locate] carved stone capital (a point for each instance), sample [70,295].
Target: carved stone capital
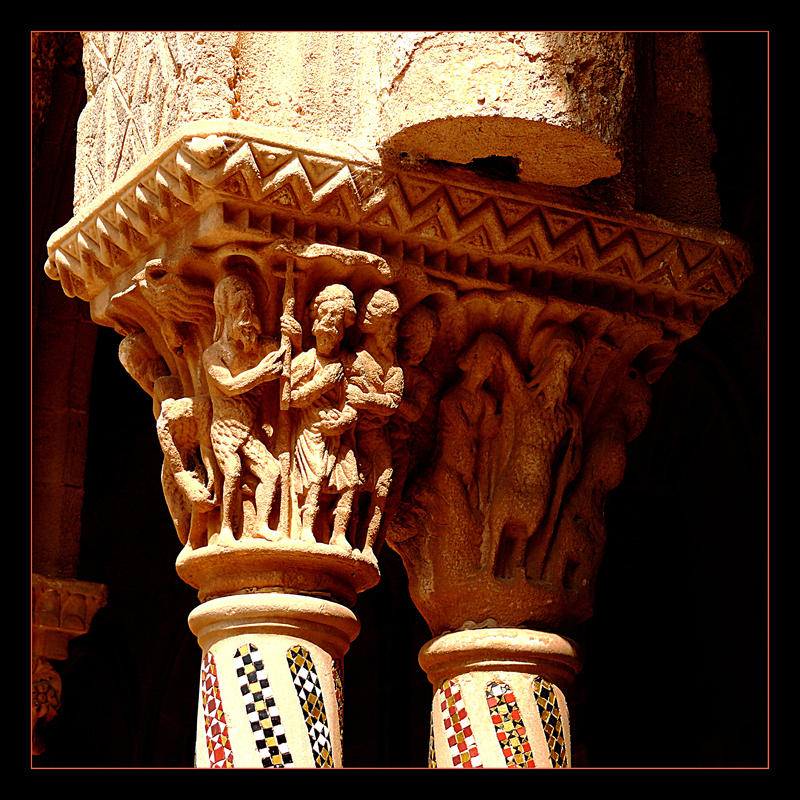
[340,352]
[45,700]
[62,609]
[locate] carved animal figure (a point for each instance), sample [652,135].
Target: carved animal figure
[184,432]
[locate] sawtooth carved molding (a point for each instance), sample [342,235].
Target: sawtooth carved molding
[476,234]
[341,355]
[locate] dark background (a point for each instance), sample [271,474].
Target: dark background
[676,654]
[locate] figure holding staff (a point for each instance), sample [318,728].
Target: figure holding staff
[291,341]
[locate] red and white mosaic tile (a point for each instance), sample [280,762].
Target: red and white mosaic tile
[220,754]
[457,727]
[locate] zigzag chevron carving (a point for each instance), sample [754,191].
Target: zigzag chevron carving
[447,222]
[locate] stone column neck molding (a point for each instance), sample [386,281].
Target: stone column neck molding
[518,649]
[329,625]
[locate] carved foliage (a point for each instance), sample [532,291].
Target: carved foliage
[45,700]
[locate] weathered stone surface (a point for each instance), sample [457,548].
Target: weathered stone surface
[676,142]
[556,103]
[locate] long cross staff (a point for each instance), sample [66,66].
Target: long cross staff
[284,430]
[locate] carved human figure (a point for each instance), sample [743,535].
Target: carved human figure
[237,364]
[580,534]
[324,452]
[375,389]
[416,332]
[536,454]
[458,481]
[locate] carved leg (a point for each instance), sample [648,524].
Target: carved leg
[267,470]
[232,472]
[308,513]
[379,498]
[341,518]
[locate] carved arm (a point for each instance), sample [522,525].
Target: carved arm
[383,403]
[224,381]
[328,376]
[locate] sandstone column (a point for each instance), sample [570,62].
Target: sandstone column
[346,344]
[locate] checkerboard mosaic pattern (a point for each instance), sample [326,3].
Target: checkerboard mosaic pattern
[261,708]
[220,754]
[431,748]
[457,727]
[337,686]
[309,692]
[508,726]
[550,714]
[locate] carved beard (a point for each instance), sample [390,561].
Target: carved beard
[328,337]
[245,336]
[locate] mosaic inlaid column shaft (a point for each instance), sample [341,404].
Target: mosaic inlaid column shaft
[499,699]
[270,684]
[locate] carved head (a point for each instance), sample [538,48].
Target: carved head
[553,353]
[235,307]
[479,360]
[379,317]
[332,311]
[142,361]
[417,331]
